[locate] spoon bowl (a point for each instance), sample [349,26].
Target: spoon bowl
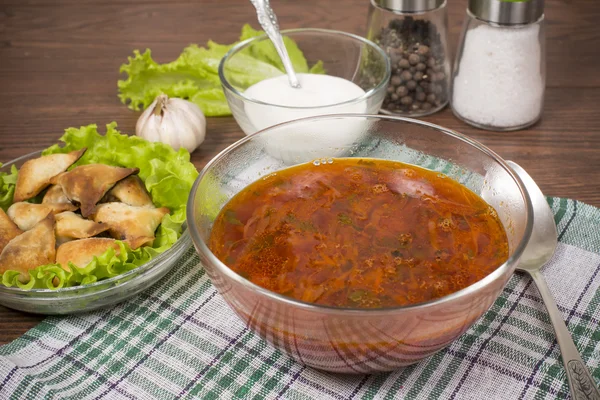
[539,250]
[543,240]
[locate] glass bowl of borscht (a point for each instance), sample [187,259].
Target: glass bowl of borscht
[364,256]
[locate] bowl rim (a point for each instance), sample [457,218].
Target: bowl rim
[510,263]
[235,49]
[142,269]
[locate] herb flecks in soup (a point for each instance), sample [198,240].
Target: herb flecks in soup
[360,233]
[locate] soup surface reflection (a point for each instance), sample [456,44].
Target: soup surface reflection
[360,233]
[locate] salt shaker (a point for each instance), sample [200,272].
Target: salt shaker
[500,70]
[414,34]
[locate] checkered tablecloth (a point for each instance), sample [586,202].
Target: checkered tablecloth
[180,340]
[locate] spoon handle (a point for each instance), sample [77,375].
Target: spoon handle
[581,382]
[268,21]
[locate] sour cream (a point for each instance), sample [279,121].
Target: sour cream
[319,94]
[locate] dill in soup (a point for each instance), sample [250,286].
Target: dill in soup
[359,233]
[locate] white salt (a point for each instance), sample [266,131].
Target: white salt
[500,82]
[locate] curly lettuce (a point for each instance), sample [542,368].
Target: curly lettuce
[8,182]
[194,74]
[168,176]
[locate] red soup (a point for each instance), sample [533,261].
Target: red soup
[360,233]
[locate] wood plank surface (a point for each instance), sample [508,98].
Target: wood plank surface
[59,66]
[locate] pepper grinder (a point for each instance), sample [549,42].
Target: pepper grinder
[500,70]
[413,33]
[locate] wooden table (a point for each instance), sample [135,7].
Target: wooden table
[59,66]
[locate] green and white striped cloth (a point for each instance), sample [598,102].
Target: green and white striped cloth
[180,340]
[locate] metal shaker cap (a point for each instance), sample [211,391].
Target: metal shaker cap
[409,6]
[505,12]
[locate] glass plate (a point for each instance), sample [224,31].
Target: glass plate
[96,295]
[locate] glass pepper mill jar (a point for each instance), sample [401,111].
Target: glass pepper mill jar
[499,73]
[414,34]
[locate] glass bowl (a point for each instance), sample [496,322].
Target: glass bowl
[361,340]
[343,55]
[98,294]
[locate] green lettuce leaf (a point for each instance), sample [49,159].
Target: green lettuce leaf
[194,74]
[265,51]
[318,68]
[167,174]
[208,58]
[248,32]
[148,79]
[8,182]
[243,70]
[211,101]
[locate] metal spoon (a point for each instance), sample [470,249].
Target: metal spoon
[268,21]
[538,252]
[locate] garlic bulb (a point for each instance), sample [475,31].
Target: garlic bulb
[176,122]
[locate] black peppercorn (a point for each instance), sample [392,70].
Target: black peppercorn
[418,83]
[414,59]
[402,91]
[403,63]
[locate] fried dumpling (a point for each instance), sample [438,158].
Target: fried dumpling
[71,226]
[55,195]
[8,230]
[81,252]
[35,174]
[139,241]
[130,223]
[132,191]
[26,215]
[86,184]
[30,249]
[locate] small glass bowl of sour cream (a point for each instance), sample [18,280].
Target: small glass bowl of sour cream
[344,73]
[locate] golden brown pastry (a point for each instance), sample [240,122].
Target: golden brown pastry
[132,191]
[26,215]
[35,174]
[130,223]
[139,241]
[8,230]
[81,252]
[71,226]
[86,184]
[55,195]
[30,249]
